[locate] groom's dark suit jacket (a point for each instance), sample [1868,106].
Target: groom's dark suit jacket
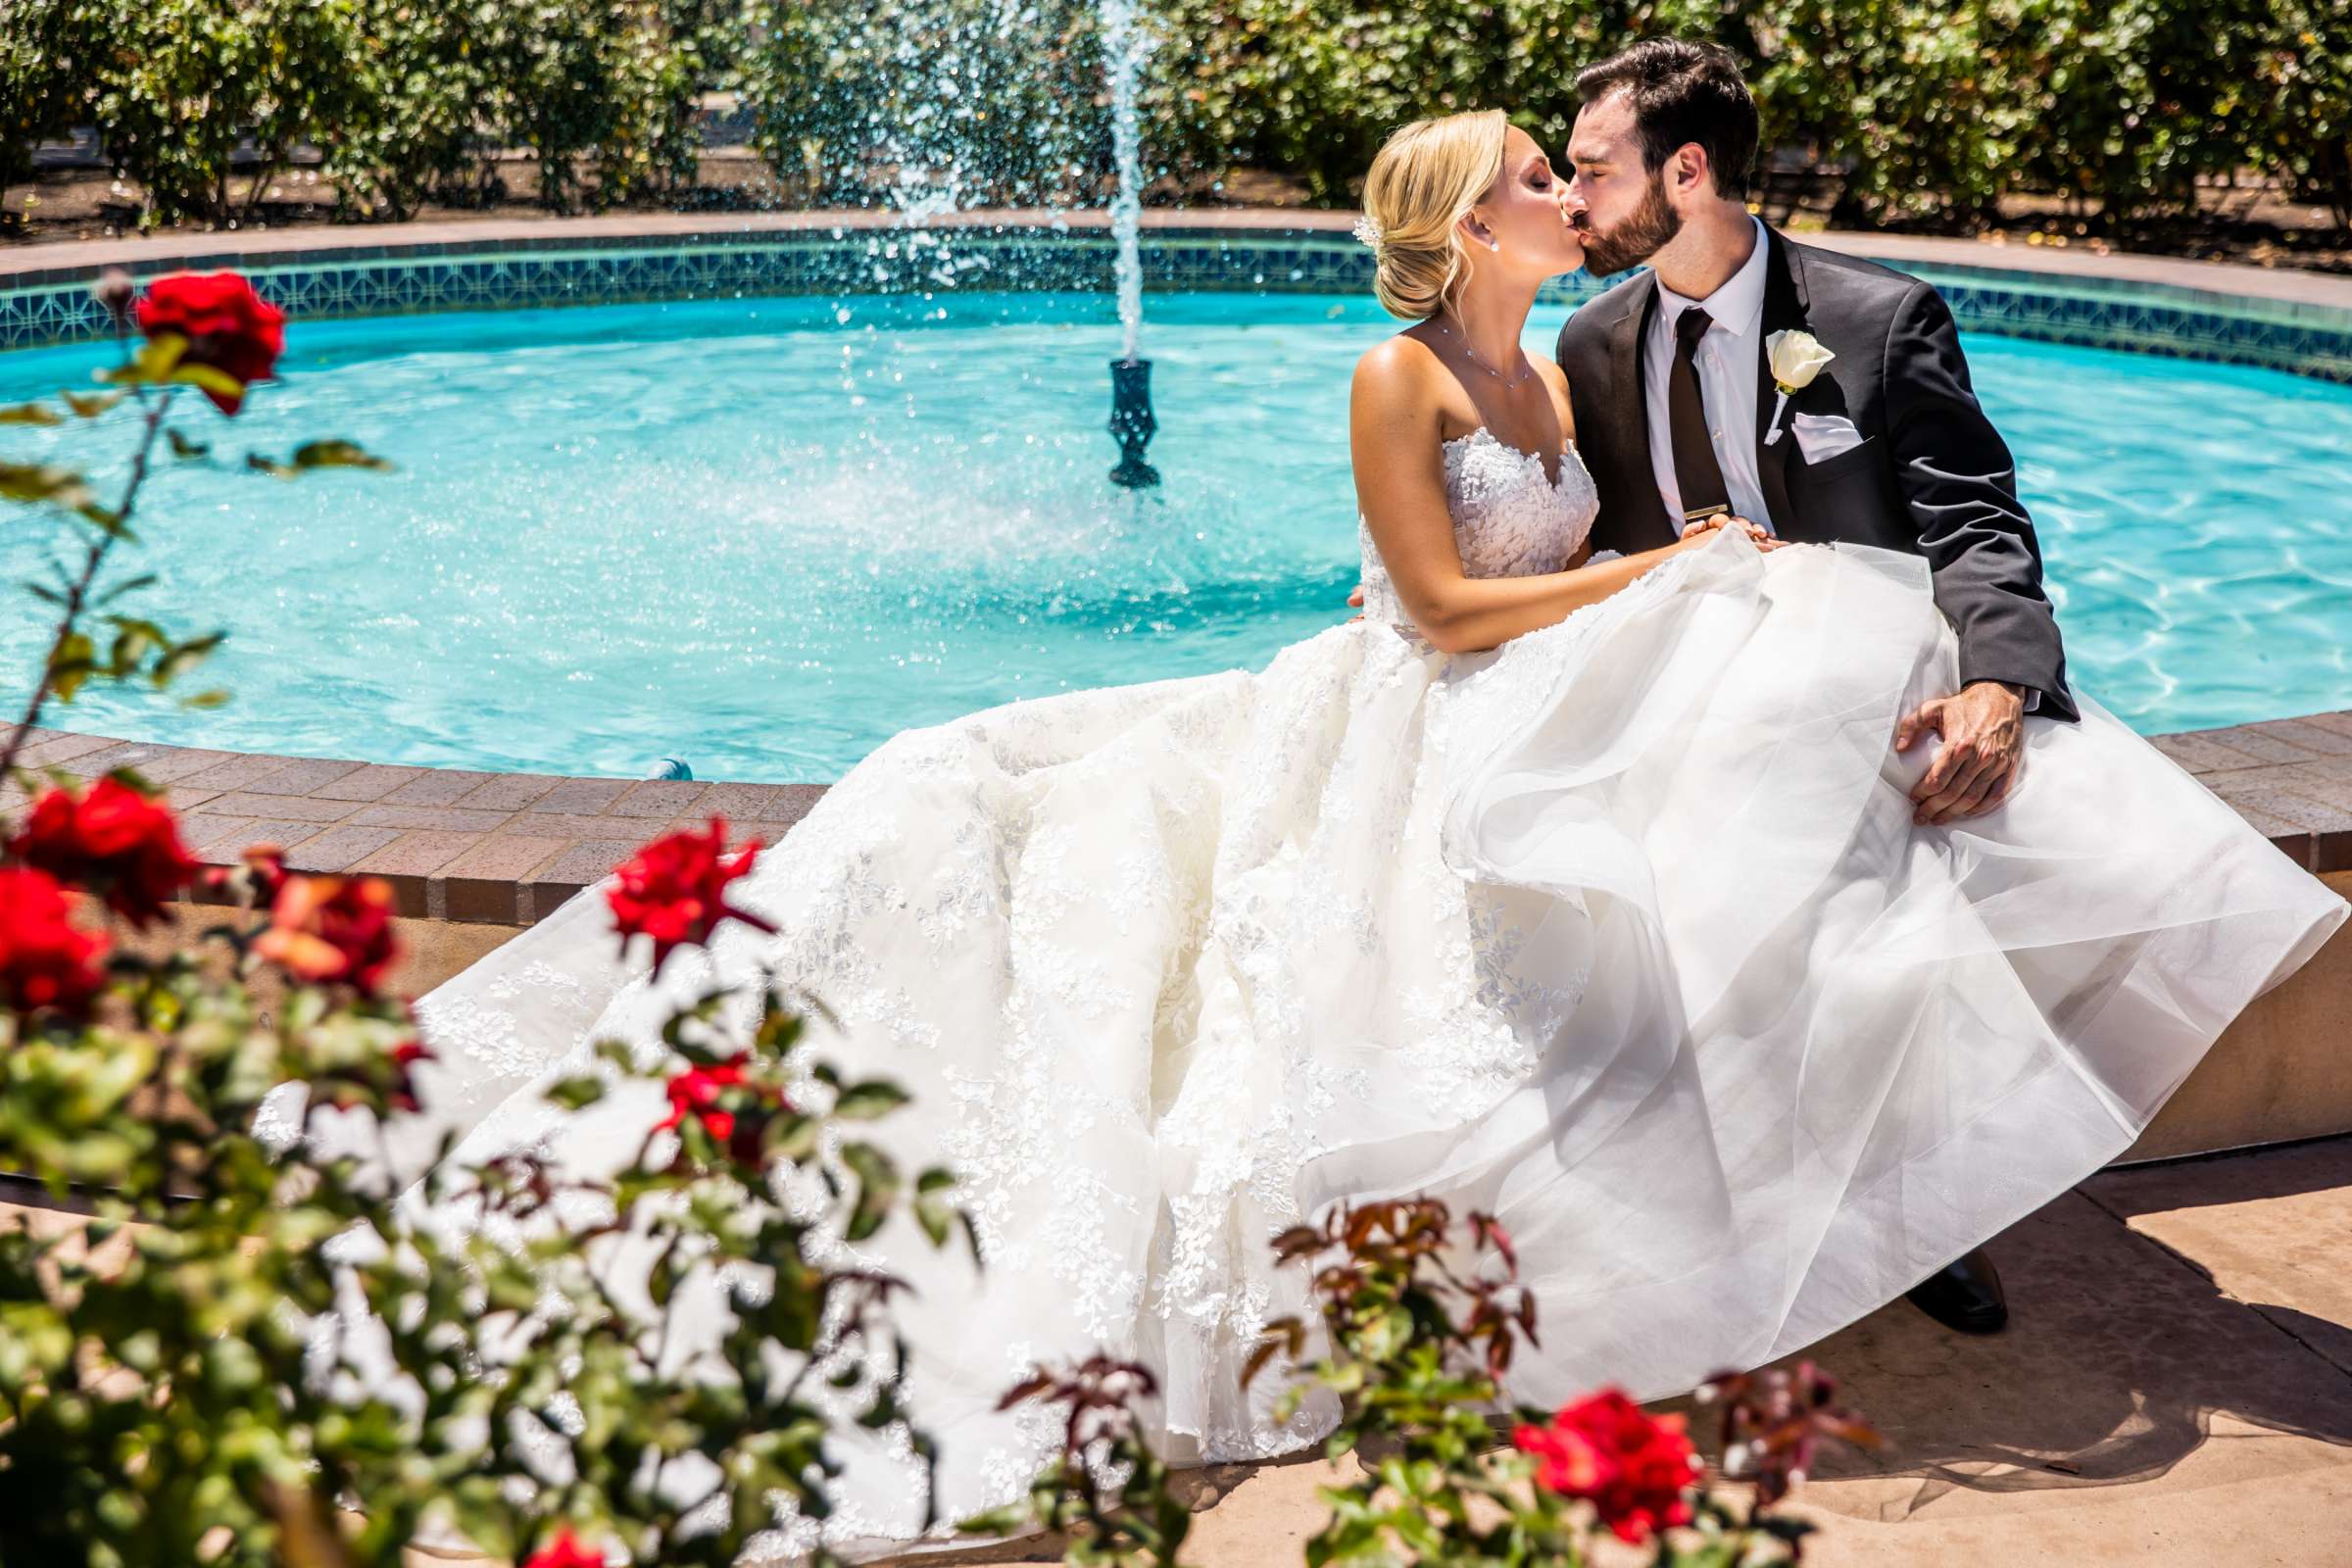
[1932,475]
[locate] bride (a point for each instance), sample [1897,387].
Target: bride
[1585,891]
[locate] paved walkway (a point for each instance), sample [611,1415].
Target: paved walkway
[2174,1387]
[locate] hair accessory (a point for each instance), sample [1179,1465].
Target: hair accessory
[1368,230]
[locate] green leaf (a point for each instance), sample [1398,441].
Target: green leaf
[575,1094]
[43,482]
[144,579]
[155,362]
[133,637]
[338,454]
[268,465]
[1387,1333]
[183,447]
[211,697]
[662,1279]
[182,658]
[207,378]
[863,1102]
[877,1188]
[71,665]
[30,414]
[90,405]
[108,520]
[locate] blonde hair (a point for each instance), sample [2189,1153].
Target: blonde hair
[1425,177]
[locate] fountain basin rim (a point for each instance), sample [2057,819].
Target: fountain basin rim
[506,848]
[72,261]
[2219,311]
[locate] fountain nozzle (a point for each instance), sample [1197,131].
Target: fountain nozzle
[1132,422]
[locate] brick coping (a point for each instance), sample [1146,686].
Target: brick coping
[68,261]
[506,848]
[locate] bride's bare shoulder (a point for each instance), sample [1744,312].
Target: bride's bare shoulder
[1399,360]
[1399,386]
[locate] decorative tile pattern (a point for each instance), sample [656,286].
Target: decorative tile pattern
[55,307]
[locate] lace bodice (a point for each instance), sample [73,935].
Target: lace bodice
[1510,519]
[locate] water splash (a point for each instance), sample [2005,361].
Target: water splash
[931,112]
[1123,49]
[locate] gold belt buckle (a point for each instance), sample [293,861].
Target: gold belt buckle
[1696,513]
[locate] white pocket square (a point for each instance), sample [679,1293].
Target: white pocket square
[1821,436]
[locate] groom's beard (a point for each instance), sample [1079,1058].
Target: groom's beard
[1636,239]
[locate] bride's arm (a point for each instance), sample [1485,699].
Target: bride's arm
[1395,435]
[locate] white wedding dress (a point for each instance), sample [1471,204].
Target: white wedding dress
[1621,931]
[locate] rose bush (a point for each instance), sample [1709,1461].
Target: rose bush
[178,1372]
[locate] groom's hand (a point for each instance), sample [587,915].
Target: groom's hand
[1984,733]
[1765,538]
[1357,600]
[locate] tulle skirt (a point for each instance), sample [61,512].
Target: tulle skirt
[1621,932]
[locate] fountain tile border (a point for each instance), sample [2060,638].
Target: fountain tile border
[506,848]
[2220,313]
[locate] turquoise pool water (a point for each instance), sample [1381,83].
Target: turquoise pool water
[765,534]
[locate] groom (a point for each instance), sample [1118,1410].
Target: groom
[1674,394]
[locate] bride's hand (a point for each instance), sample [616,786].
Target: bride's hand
[1764,538]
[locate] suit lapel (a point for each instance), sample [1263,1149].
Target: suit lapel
[1785,303]
[1626,365]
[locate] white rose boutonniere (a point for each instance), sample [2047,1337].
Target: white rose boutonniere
[1796,359]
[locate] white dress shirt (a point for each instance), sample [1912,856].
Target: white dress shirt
[1725,363]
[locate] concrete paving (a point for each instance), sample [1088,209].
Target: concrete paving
[2174,1387]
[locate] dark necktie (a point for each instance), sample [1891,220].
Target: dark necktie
[1695,470]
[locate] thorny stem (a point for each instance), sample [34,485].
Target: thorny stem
[79,593]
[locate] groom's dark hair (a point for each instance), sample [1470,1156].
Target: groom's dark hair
[1683,91]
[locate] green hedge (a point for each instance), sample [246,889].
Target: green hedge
[402,97]
[1937,108]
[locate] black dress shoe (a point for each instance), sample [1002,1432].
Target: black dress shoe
[1964,1294]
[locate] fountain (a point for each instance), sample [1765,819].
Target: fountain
[1131,419]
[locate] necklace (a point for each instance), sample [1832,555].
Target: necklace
[1507,385]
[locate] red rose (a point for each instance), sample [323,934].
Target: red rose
[405,1056]
[328,929]
[228,326]
[564,1551]
[697,1091]
[114,842]
[45,960]
[1631,1467]
[673,890]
